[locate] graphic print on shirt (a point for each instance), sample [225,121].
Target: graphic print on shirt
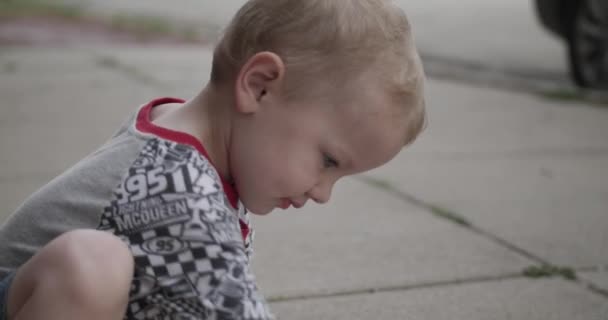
[190,261]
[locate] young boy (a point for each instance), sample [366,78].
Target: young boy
[153,225]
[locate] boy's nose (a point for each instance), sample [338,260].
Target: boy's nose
[321,192]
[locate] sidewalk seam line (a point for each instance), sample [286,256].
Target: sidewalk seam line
[469,226]
[406,287]
[112,63]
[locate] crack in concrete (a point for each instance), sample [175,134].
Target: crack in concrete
[596,268]
[589,284]
[423,285]
[594,288]
[131,72]
[458,220]
[386,186]
[396,288]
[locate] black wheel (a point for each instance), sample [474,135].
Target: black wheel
[588,45]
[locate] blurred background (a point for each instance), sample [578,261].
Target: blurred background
[533,40]
[525,39]
[499,211]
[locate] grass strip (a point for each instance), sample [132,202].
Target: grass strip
[547,271]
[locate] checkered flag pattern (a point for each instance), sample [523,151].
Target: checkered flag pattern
[185,238]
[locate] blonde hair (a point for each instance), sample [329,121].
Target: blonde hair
[328,41]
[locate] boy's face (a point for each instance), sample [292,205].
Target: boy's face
[285,154]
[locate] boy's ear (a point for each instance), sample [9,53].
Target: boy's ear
[260,76]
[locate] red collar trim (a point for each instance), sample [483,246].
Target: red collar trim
[244,229]
[143,124]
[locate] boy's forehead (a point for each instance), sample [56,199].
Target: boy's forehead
[367,104]
[369,139]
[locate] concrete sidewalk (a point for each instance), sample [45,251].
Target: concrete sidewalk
[499,183]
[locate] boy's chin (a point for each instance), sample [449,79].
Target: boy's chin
[259,211]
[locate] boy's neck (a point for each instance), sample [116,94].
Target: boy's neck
[207,117]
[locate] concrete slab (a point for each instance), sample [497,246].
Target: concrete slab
[452,30]
[365,238]
[503,300]
[469,120]
[531,171]
[598,278]
[58,106]
[553,206]
[176,71]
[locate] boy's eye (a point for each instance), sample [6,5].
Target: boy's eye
[329,162]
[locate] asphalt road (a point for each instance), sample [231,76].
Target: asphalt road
[502,35]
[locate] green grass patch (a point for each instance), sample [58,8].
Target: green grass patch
[564,94]
[546,271]
[141,25]
[190,33]
[34,8]
[146,26]
[595,98]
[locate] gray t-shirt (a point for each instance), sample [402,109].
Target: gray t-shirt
[157,190]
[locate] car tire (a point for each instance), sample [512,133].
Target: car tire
[588,48]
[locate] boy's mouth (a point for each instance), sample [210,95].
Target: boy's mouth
[285,203]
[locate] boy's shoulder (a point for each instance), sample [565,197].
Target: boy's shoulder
[169,165]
